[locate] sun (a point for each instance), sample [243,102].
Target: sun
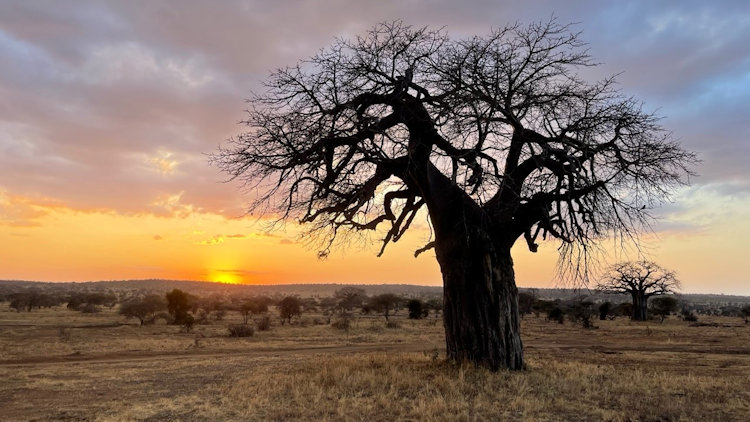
[226,278]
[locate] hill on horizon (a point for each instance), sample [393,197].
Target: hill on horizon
[202,288]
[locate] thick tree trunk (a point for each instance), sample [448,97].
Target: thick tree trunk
[480,298]
[480,310]
[639,306]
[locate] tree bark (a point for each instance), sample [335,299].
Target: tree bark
[639,306]
[480,307]
[480,298]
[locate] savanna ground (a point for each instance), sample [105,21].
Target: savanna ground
[56,364]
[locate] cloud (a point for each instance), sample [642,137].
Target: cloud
[240,273]
[113,105]
[220,238]
[163,162]
[20,211]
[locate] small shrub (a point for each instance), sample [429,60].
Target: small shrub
[90,308]
[689,316]
[64,333]
[263,324]
[201,317]
[343,323]
[241,330]
[604,310]
[187,322]
[392,324]
[220,314]
[556,314]
[163,316]
[416,309]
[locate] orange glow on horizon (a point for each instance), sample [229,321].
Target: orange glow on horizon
[50,242]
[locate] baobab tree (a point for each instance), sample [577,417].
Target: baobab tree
[496,137]
[641,280]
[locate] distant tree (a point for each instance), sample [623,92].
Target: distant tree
[384,303]
[187,322]
[144,309]
[745,311]
[178,305]
[33,298]
[526,303]
[435,305]
[289,307]
[252,306]
[543,306]
[417,309]
[623,309]
[604,310]
[664,305]
[641,280]
[328,305]
[88,302]
[556,314]
[18,302]
[581,311]
[687,314]
[350,297]
[309,304]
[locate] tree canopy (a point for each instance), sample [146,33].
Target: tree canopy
[335,140]
[641,280]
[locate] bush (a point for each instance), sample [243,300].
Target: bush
[201,317]
[689,316]
[416,309]
[263,324]
[664,305]
[219,314]
[144,309]
[604,310]
[241,330]
[187,322]
[556,314]
[289,307]
[582,312]
[89,308]
[526,303]
[343,323]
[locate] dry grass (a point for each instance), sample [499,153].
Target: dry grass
[379,386]
[622,371]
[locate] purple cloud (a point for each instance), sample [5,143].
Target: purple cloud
[96,95]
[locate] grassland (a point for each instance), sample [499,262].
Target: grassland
[56,364]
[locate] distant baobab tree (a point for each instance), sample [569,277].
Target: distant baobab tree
[496,137]
[641,280]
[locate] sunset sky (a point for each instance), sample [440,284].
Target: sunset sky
[108,109]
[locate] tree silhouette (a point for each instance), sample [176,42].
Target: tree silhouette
[178,305]
[289,307]
[143,308]
[664,305]
[641,280]
[384,303]
[350,297]
[496,137]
